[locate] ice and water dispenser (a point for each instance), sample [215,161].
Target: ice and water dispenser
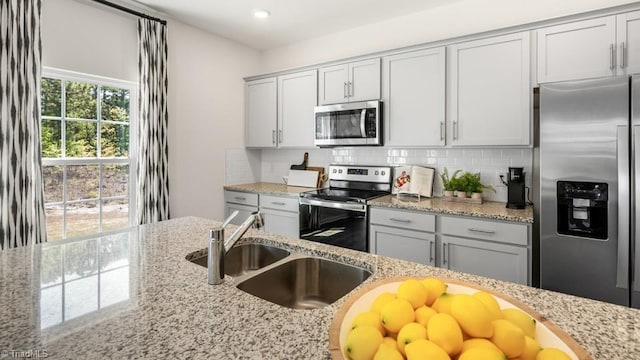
[582,209]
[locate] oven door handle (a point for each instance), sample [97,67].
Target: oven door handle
[334,204]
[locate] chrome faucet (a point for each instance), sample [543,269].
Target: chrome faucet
[218,246]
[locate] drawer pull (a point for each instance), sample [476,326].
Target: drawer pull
[400,220]
[240,198]
[278,203]
[445,255]
[482,231]
[431,251]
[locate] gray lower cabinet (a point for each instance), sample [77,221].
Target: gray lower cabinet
[280,215]
[244,203]
[491,248]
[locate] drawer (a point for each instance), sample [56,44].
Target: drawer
[279,203]
[238,197]
[410,220]
[510,233]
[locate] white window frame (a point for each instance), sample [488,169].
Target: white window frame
[49,72]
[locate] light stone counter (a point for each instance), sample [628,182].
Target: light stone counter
[133,295]
[269,189]
[488,209]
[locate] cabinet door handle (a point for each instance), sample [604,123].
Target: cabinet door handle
[445,255]
[345,91]
[350,89]
[278,203]
[623,51]
[611,57]
[400,220]
[240,198]
[441,130]
[455,130]
[280,136]
[482,231]
[273,137]
[431,251]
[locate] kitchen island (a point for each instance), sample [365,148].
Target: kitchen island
[133,294]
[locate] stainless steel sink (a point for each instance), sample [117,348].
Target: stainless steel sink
[245,258]
[305,283]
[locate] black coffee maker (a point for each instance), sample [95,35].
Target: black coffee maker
[515,188]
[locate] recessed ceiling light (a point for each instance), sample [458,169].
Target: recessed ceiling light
[262,14]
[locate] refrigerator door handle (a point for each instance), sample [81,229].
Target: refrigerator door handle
[636,204]
[624,216]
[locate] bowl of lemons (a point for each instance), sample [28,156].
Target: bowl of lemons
[431,318]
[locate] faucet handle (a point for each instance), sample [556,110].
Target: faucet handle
[228,219]
[258,223]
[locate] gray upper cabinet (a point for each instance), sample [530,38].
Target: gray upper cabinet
[600,47]
[260,113]
[356,81]
[413,91]
[297,98]
[489,91]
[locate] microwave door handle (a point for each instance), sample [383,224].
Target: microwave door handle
[363,117]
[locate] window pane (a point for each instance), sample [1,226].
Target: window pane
[55,221]
[50,306]
[82,182]
[51,97]
[82,219]
[51,138]
[81,139]
[52,176]
[114,286]
[115,214]
[80,259]
[80,297]
[115,140]
[115,180]
[115,104]
[114,251]
[81,100]
[51,268]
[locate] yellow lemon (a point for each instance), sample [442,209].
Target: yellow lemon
[387,353]
[425,349]
[552,354]
[362,343]
[409,333]
[413,291]
[368,318]
[443,303]
[396,314]
[522,320]
[472,315]
[482,353]
[478,342]
[381,301]
[531,349]
[435,288]
[444,331]
[508,338]
[423,314]
[390,342]
[490,303]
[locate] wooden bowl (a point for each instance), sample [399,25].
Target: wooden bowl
[547,333]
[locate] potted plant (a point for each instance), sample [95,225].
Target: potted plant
[470,184]
[449,184]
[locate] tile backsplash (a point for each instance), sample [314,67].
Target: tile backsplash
[489,162]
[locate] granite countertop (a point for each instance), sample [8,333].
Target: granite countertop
[488,209]
[269,189]
[134,295]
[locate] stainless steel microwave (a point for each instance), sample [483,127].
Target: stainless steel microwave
[349,124]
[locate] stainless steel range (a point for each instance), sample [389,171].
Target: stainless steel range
[337,215]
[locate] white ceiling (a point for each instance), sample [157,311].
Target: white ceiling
[290,20]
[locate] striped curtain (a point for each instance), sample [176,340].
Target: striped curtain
[22,219]
[153,150]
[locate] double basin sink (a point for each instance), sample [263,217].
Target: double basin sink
[287,278]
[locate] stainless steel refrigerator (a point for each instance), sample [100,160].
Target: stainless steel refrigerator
[590,189]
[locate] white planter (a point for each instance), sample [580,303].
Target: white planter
[461,194]
[448,193]
[476,195]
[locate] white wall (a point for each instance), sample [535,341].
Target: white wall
[448,21]
[206,90]
[206,116]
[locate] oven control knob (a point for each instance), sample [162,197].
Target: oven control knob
[340,171]
[383,173]
[376,172]
[334,171]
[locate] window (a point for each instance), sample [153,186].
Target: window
[87,150]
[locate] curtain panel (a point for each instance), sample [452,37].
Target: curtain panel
[22,220]
[153,150]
